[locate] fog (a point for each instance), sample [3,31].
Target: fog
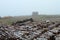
[26,7]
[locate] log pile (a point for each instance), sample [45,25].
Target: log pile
[30,31]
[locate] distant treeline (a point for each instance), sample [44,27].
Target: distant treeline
[5,17]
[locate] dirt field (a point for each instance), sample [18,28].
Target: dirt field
[36,18]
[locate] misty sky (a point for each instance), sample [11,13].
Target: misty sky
[26,7]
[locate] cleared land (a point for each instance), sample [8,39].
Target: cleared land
[23,29]
[36,18]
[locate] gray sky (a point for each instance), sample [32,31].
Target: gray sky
[26,7]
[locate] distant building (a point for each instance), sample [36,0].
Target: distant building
[35,13]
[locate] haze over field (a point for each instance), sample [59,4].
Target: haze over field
[26,7]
